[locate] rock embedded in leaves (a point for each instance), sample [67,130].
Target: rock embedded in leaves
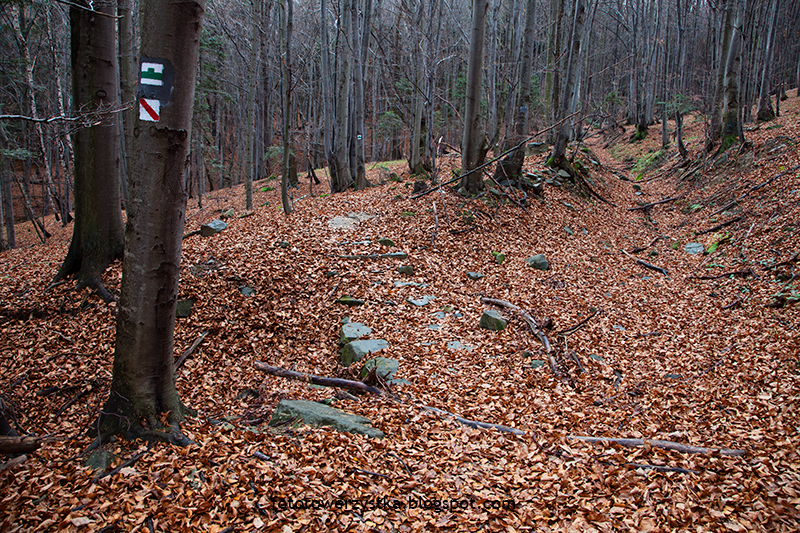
[184,308]
[213,227]
[353,331]
[694,248]
[421,302]
[228,213]
[356,350]
[407,270]
[538,262]
[385,241]
[493,321]
[317,414]
[385,367]
[474,275]
[100,460]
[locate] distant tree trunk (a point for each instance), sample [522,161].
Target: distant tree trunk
[765,111]
[511,166]
[97,234]
[728,16]
[341,178]
[730,108]
[360,33]
[255,53]
[7,235]
[143,401]
[473,148]
[327,96]
[287,106]
[558,157]
[418,58]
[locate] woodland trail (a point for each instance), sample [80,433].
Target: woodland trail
[701,362]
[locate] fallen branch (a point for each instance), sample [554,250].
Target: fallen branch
[659,468]
[532,325]
[753,189]
[647,265]
[739,273]
[648,206]
[579,325]
[14,445]
[481,167]
[783,263]
[474,423]
[638,249]
[126,464]
[720,226]
[392,255]
[736,303]
[190,350]
[317,380]
[664,444]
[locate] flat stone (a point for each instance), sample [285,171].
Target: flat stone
[386,241]
[536,363]
[538,262]
[385,367]
[407,270]
[694,248]
[100,460]
[247,291]
[184,308]
[493,321]
[474,275]
[569,230]
[353,331]
[356,350]
[421,302]
[409,284]
[215,226]
[317,414]
[457,345]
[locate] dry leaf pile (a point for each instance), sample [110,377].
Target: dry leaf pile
[685,358]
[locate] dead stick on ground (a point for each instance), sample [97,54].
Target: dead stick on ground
[480,168]
[532,325]
[664,444]
[127,463]
[753,189]
[318,380]
[648,206]
[720,226]
[14,445]
[190,350]
[474,423]
[646,264]
[579,325]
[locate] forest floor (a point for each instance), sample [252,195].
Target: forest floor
[708,356]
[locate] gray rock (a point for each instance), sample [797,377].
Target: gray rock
[350,301]
[493,321]
[694,248]
[457,345]
[474,275]
[394,255]
[386,241]
[247,291]
[356,350]
[215,226]
[184,308]
[536,363]
[434,327]
[228,213]
[569,230]
[399,284]
[100,460]
[563,174]
[538,261]
[408,270]
[536,149]
[384,367]
[317,414]
[421,302]
[353,331]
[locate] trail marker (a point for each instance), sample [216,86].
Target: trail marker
[149,109]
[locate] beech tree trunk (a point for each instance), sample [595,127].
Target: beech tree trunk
[473,148]
[341,177]
[143,400]
[730,106]
[765,111]
[97,234]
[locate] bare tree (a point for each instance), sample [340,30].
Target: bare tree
[143,401]
[474,145]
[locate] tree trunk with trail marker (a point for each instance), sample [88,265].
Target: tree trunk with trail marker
[97,233]
[143,401]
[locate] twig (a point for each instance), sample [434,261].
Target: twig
[648,206]
[480,168]
[368,473]
[317,380]
[735,303]
[739,273]
[127,463]
[659,468]
[783,263]
[579,325]
[753,189]
[532,325]
[664,444]
[638,249]
[71,401]
[390,454]
[474,423]
[190,350]
[720,226]
[436,229]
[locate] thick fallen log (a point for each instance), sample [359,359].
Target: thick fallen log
[474,423]
[317,380]
[15,445]
[664,444]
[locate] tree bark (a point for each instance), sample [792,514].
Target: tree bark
[286,9]
[143,400]
[730,107]
[473,148]
[765,111]
[341,178]
[97,234]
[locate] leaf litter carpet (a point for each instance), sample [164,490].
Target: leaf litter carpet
[703,362]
